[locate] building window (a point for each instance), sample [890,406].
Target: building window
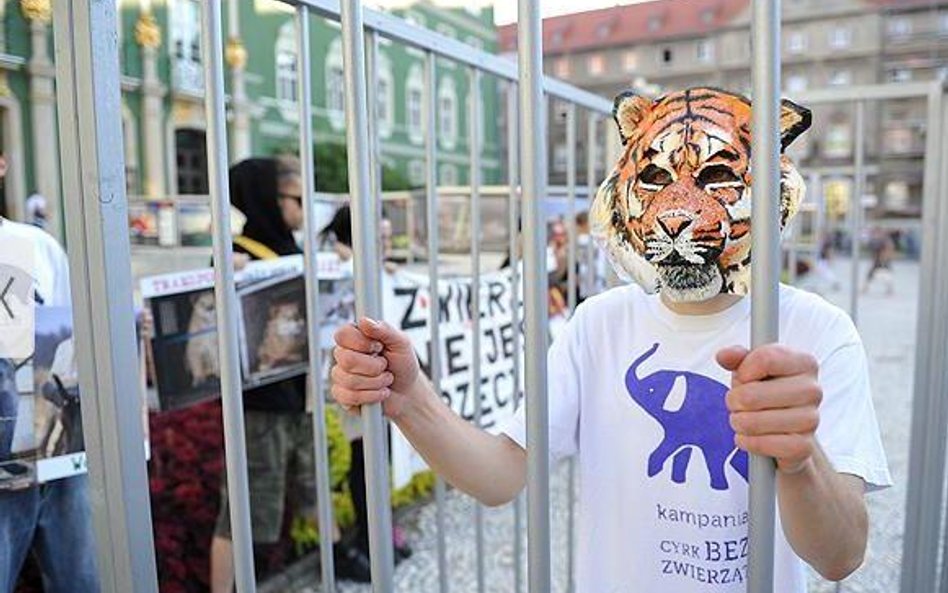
[414,101]
[900,75]
[603,30]
[900,27]
[654,23]
[707,16]
[447,112]
[559,158]
[796,83]
[705,51]
[838,140]
[899,140]
[335,86]
[596,64]
[897,195]
[667,55]
[841,78]
[561,67]
[557,37]
[385,95]
[449,175]
[942,73]
[630,61]
[416,173]
[286,59]
[191,162]
[186,71]
[943,23]
[841,37]
[474,42]
[796,42]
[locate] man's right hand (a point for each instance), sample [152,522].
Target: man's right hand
[374,363]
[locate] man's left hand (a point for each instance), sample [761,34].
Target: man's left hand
[774,403]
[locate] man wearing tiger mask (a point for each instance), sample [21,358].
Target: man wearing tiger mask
[652,387]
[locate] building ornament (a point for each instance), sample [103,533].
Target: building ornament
[147,31]
[37,10]
[235,53]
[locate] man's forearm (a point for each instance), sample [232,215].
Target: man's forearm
[824,516]
[488,467]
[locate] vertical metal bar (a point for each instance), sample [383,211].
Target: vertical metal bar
[765,271]
[533,180]
[513,177]
[571,300]
[226,299]
[372,105]
[939,333]
[792,251]
[855,207]
[473,119]
[367,276]
[592,254]
[815,189]
[431,197]
[96,221]
[310,249]
[927,446]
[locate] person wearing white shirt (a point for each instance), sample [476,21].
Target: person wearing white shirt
[52,520]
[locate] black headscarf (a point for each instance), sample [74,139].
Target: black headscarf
[254,191]
[340,226]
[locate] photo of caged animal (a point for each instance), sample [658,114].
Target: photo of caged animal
[201,355]
[284,338]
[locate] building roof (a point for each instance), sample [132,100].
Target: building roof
[651,21]
[630,24]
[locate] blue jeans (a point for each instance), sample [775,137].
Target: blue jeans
[53,520]
[9,403]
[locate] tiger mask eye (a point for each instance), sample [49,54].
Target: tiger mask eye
[654,178]
[718,176]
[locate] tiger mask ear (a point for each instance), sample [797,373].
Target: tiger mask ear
[629,110]
[794,120]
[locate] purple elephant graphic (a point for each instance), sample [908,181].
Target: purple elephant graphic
[700,422]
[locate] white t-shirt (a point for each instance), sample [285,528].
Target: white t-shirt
[636,393]
[51,273]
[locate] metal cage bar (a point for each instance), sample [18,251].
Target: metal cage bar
[367,276]
[930,408]
[474,135]
[533,184]
[513,223]
[431,201]
[571,298]
[765,32]
[310,249]
[591,184]
[96,224]
[225,295]
[855,207]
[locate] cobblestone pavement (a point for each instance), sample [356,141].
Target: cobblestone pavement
[887,324]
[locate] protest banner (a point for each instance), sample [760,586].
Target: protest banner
[406,306]
[271,319]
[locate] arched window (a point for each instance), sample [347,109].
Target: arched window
[385,97]
[414,101]
[447,112]
[187,74]
[287,77]
[335,85]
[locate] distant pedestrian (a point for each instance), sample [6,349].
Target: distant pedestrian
[883,252]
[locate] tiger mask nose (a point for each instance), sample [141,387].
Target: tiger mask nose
[674,223]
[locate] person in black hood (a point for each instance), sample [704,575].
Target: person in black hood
[279,432]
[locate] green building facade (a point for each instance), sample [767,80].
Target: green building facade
[163,113]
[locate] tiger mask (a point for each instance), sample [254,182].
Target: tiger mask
[674,214]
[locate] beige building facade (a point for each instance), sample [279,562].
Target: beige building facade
[670,44]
